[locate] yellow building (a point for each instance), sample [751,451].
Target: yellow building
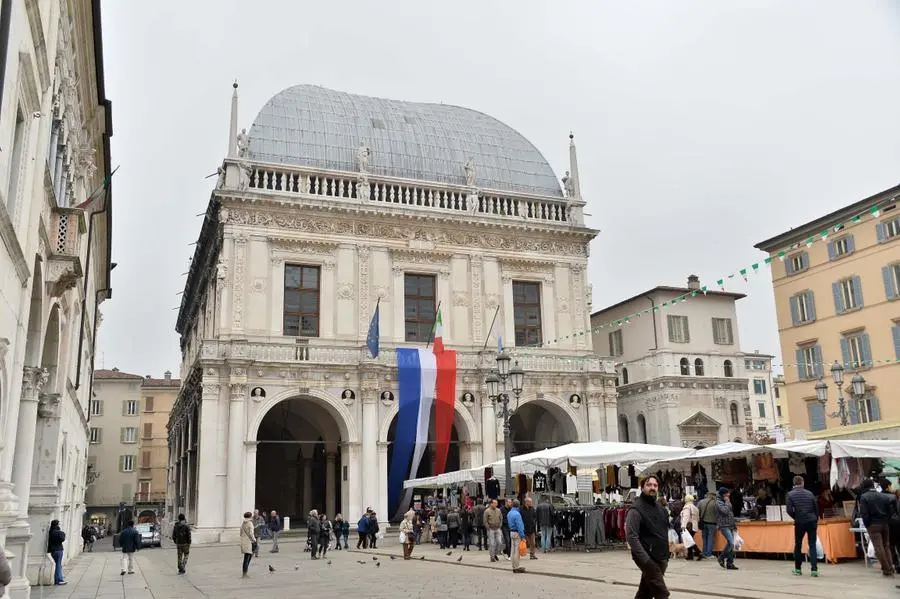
[837,296]
[157,398]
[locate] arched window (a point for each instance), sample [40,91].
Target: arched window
[642,428]
[729,368]
[698,367]
[685,367]
[734,415]
[624,376]
[623,429]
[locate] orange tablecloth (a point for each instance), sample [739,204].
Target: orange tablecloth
[778,537]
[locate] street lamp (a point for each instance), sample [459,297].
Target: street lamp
[857,389]
[498,385]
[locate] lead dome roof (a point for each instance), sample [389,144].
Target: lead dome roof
[307,125]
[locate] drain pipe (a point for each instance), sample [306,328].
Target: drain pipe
[653,314]
[5,20]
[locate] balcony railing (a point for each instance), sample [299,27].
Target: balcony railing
[531,359]
[152,497]
[434,197]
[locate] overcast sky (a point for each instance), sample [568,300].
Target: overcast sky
[703,127]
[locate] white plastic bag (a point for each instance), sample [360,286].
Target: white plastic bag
[820,551]
[379,535]
[402,538]
[673,536]
[687,539]
[870,551]
[738,541]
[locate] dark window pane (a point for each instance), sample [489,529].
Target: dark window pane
[527,313]
[419,306]
[292,276]
[309,302]
[310,278]
[291,301]
[301,300]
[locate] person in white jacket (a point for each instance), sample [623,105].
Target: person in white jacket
[690,523]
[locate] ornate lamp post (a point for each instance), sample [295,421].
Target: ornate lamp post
[499,383]
[857,389]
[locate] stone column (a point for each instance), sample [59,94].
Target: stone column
[488,430]
[328,320]
[249,482]
[382,506]
[330,494]
[351,489]
[307,487]
[611,407]
[206,459]
[34,378]
[234,498]
[548,299]
[371,483]
[595,416]
[508,310]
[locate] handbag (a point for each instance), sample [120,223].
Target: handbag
[523,548]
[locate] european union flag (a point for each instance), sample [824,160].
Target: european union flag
[372,339]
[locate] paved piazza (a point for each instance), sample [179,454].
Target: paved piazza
[214,572]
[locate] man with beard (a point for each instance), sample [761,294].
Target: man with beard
[647,533]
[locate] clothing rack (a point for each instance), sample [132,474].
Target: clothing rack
[589,527]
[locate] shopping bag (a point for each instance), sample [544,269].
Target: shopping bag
[870,551]
[523,548]
[673,536]
[820,551]
[402,538]
[738,542]
[687,539]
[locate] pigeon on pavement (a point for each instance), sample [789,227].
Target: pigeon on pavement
[393,557]
[374,558]
[378,565]
[296,566]
[329,562]
[460,559]
[271,569]
[449,553]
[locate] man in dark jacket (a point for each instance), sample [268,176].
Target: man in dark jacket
[727,526]
[55,540]
[479,524]
[647,533]
[274,528]
[504,511]
[802,507]
[545,522]
[876,510]
[313,530]
[373,529]
[129,541]
[529,518]
[181,536]
[362,529]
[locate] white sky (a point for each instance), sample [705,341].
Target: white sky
[703,127]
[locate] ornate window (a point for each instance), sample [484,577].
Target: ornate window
[735,420]
[301,300]
[624,376]
[527,312]
[698,367]
[728,367]
[419,292]
[685,367]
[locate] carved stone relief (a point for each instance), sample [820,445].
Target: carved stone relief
[345,291]
[364,308]
[477,316]
[460,299]
[240,255]
[48,405]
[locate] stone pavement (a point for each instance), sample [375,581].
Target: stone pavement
[214,572]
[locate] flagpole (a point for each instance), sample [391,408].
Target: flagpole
[493,320]
[433,324]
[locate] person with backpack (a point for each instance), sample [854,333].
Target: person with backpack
[181,536]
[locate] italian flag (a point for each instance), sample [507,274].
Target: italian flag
[445,396]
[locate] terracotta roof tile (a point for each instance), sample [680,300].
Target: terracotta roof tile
[115,375]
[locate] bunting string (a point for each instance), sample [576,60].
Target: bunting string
[743,273]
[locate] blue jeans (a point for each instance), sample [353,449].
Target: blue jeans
[808,529]
[727,554]
[57,573]
[546,537]
[709,538]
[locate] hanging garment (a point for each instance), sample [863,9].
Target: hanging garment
[624,477]
[492,488]
[824,463]
[539,482]
[795,463]
[571,485]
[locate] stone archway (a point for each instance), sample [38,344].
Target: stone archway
[298,456]
[543,423]
[50,349]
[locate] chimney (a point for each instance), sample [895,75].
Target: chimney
[168,375]
[115,369]
[693,282]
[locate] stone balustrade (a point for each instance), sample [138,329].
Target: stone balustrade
[373,189]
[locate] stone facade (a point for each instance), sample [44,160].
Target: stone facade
[295,422]
[54,271]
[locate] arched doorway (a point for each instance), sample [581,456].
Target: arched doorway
[538,425]
[298,460]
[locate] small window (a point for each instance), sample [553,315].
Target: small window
[698,367]
[840,247]
[419,305]
[678,329]
[778,411]
[126,463]
[623,429]
[148,404]
[796,263]
[145,459]
[301,301]
[148,430]
[847,295]
[759,386]
[96,436]
[615,343]
[129,434]
[131,407]
[856,350]
[642,428]
[96,407]
[762,409]
[888,230]
[803,308]
[809,362]
[777,393]
[685,367]
[891,276]
[527,313]
[735,420]
[816,413]
[15,162]
[624,376]
[728,367]
[722,331]
[865,409]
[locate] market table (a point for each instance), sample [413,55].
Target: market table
[778,537]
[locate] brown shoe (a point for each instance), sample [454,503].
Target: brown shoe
[518,570]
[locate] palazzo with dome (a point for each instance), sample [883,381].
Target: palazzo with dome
[328,205]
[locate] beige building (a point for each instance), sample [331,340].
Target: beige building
[837,286]
[114,438]
[782,413]
[157,398]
